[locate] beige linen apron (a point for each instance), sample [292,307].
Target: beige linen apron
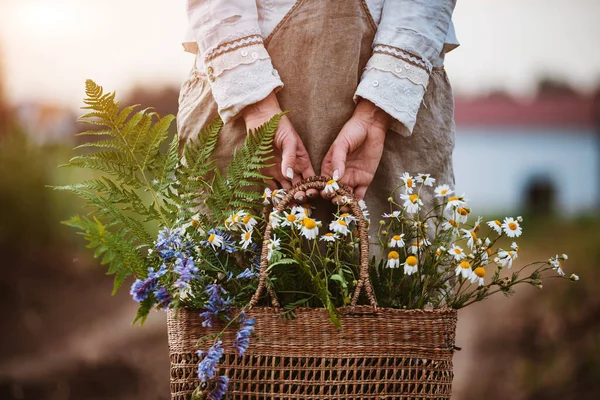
[320,49]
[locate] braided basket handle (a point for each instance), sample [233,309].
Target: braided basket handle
[319,183]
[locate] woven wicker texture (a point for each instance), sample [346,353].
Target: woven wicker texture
[381,353]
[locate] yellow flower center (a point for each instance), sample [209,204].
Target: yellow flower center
[413,198]
[458,251]
[393,255]
[247,219]
[247,236]
[411,261]
[480,272]
[512,226]
[344,215]
[498,223]
[309,223]
[462,211]
[489,251]
[397,237]
[453,198]
[291,217]
[329,234]
[438,252]
[342,222]
[331,181]
[409,182]
[453,223]
[443,192]
[473,235]
[211,237]
[465,264]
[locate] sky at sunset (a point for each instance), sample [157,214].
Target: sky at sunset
[49,47]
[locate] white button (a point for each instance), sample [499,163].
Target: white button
[244,53]
[407,66]
[399,69]
[254,55]
[375,83]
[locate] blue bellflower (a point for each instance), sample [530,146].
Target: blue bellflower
[242,338]
[221,384]
[210,360]
[216,304]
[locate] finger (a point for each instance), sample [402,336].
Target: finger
[335,160]
[312,193]
[345,209]
[360,192]
[288,157]
[327,195]
[300,197]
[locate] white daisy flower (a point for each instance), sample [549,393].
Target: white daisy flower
[272,246]
[397,240]
[394,214]
[249,222]
[363,208]
[496,226]
[267,196]
[556,265]
[410,265]
[329,237]
[457,252]
[450,224]
[515,246]
[234,219]
[418,245]
[277,196]
[310,228]
[464,269]
[332,186]
[275,219]
[425,179]
[443,191]
[246,239]
[216,241]
[461,215]
[478,275]
[412,203]
[409,183]
[393,259]
[506,258]
[511,227]
[289,219]
[456,201]
[340,226]
[440,250]
[471,235]
[301,212]
[347,217]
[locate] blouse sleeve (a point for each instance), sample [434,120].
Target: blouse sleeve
[409,39]
[231,53]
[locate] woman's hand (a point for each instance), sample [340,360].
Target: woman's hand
[292,163]
[355,154]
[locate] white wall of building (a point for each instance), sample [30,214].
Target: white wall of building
[494,166]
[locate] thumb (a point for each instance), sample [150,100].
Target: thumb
[337,159]
[288,156]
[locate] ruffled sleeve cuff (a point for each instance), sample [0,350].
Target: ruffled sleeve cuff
[240,73]
[395,81]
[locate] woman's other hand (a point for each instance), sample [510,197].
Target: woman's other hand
[355,154]
[291,160]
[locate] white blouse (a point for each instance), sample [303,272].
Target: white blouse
[412,37]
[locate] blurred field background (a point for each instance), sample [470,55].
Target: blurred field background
[527,87]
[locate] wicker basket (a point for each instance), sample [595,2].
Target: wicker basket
[381,353]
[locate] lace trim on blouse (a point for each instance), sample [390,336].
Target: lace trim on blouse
[403,55]
[243,55]
[398,66]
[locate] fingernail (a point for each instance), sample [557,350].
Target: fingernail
[336,174]
[290,173]
[300,198]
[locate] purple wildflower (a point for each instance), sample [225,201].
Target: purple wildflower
[222,382]
[215,305]
[242,338]
[163,297]
[187,270]
[210,359]
[141,288]
[247,274]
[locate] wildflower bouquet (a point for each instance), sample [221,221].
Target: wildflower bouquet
[192,236]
